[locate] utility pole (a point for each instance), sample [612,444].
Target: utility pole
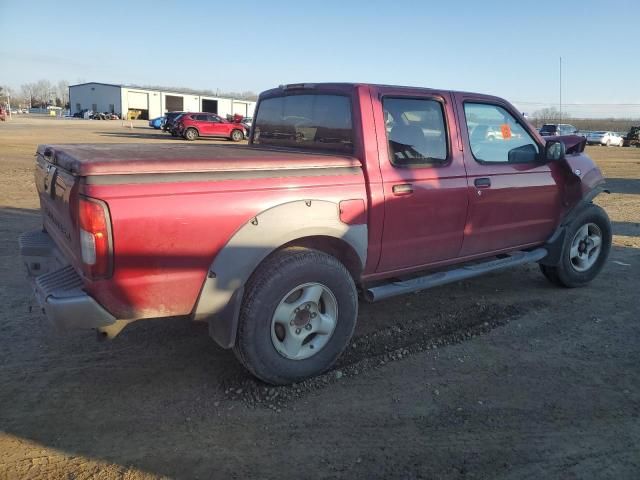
[560,89]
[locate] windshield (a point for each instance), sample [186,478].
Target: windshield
[310,121]
[549,128]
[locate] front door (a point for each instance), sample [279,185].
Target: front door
[216,127]
[514,198]
[424,179]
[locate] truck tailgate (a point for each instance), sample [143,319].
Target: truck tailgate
[58,190]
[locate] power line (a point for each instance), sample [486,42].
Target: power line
[580,104]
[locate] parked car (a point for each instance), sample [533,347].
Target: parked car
[270,244]
[171,117]
[605,138]
[194,125]
[157,122]
[553,129]
[632,139]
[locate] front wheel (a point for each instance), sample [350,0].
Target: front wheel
[298,315]
[237,135]
[585,250]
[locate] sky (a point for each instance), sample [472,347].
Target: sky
[505,48]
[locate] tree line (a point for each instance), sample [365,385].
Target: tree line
[40,94]
[552,115]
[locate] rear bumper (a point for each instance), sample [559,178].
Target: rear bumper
[57,286]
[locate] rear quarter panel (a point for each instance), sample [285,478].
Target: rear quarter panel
[166,235]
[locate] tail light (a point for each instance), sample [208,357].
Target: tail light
[95,238]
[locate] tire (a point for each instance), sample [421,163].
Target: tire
[578,269]
[237,135]
[191,134]
[261,342]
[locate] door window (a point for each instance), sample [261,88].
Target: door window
[415,131]
[495,136]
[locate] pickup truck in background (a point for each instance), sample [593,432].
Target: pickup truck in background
[344,191]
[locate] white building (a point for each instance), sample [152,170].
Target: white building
[146,103]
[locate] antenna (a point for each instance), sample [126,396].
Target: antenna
[560,89]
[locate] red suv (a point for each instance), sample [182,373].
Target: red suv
[194,125]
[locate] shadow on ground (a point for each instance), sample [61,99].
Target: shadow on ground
[547,389]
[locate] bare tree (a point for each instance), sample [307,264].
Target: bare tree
[26,92]
[43,93]
[546,115]
[62,93]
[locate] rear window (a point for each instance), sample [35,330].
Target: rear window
[310,121]
[549,128]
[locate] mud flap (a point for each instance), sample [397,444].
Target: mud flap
[223,325]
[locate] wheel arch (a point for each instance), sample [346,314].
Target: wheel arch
[555,243]
[305,223]
[334,246]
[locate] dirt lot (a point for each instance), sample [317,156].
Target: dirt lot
[504,376]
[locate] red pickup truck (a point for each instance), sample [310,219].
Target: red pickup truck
[344,190]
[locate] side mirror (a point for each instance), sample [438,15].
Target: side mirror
[554,151]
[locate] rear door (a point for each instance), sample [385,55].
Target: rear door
[424,180]
[514,199]
[201,121]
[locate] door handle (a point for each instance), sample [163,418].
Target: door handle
[483,182]
[402,189]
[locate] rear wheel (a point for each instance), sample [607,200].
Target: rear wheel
[298,315]
[191,134]
[237,135]
[585,250]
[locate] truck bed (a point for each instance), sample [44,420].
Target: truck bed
[127,159]
[173,207]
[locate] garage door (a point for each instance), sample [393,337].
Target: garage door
[210,106]
[240,109]
[138,100]
[174,103]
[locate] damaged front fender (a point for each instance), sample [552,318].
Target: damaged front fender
[585,182]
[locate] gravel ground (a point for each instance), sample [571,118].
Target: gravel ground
[503,376]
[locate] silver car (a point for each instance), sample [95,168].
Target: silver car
[605,138]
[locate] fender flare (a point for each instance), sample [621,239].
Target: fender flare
[223,290]
[556,242]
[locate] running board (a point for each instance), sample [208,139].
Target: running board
[436,279]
